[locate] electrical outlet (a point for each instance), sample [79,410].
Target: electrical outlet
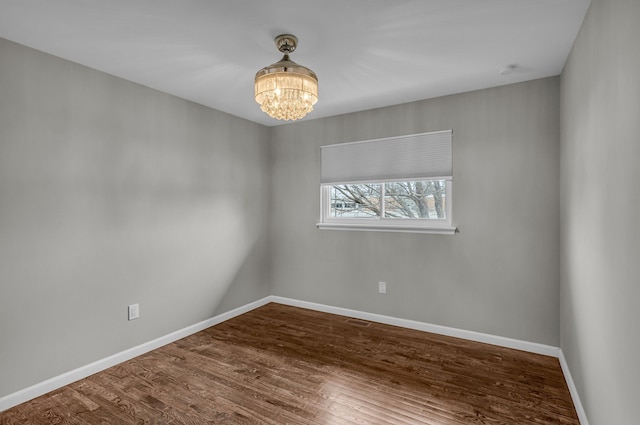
[382,287]
[134,311]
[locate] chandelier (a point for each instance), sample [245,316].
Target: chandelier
[286,90]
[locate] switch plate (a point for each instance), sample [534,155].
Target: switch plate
[382,287]
[134,311]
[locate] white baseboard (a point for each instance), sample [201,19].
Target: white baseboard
[56,382]
[582,414]
[44,387]
[532,347]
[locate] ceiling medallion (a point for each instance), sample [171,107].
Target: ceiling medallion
[286,90]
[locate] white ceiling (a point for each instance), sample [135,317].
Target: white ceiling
[366,53]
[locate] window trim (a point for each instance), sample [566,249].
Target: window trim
[412,225]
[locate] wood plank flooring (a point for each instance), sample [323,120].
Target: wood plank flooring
[284,365]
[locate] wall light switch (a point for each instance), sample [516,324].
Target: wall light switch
[382,287]
[134,311]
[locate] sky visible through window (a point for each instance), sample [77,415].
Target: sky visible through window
[424,199]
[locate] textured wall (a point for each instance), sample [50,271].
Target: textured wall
[499,275]
[112,194]
[600,290]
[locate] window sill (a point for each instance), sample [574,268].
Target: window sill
[442,230]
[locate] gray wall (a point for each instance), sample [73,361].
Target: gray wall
[600,290]
[111,194]
[500,274]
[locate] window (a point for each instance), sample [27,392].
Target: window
[394,184]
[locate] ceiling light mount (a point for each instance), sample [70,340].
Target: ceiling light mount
[286,43]
[286,90]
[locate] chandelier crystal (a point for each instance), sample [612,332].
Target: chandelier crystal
[286,90]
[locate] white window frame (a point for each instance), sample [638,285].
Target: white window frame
[413,157]
[386,224]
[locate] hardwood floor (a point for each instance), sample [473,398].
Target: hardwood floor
[284,365]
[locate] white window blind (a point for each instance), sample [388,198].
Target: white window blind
[416,156]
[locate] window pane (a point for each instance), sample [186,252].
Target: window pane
[355,200]
[415,199]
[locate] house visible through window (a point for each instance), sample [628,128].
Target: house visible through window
[396,184]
